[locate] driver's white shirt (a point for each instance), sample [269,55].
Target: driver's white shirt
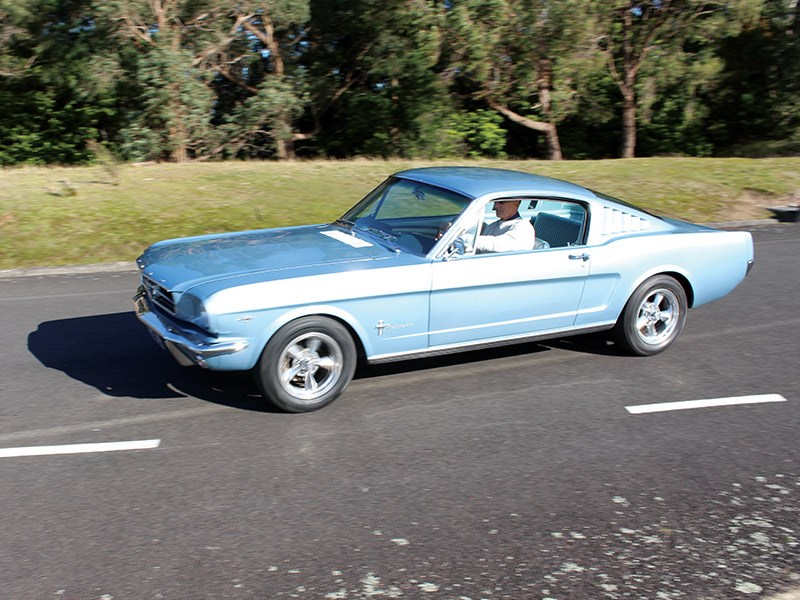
[506,236]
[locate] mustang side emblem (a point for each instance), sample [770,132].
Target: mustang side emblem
[381,326]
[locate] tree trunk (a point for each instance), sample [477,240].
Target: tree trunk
[285,149]
[628,149]
[553,144]
[545,83]
[548,129]
[177,129]
[266,34]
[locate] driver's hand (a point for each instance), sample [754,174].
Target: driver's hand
[442,229]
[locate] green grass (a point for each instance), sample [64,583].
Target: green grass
[60,216]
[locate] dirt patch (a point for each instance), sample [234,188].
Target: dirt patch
[753,204]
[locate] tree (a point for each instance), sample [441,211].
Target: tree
[754,107]
[174,104]
[672,108]
[630,32]
[13,59]
[210,79]
[53,92]
[279,97]
[375,89]
[187,51]
[510,55]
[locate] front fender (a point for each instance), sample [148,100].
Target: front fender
[324,310]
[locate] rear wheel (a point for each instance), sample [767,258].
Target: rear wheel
[307,364]
[653,317]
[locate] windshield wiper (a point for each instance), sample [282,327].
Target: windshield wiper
[385,236]
[382,234]
[345,223]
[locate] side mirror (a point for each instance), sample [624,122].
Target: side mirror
[457,248]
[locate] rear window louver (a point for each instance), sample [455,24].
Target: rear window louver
[617,221]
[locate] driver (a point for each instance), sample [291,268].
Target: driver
[509,233]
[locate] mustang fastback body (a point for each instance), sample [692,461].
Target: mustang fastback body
[398,277]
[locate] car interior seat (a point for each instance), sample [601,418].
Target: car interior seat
[557,231]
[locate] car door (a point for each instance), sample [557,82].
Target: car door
[495,296]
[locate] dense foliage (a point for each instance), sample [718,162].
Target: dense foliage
[213,79]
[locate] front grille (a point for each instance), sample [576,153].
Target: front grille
[159,295]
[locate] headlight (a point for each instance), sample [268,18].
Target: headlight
[193,310]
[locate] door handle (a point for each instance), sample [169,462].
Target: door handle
[584,257]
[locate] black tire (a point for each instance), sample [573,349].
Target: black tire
[307,364]
[653,317]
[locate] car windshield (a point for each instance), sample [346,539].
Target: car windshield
[406,214]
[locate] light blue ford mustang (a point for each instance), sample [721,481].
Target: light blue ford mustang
[398,277]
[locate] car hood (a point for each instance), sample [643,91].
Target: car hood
[270,253]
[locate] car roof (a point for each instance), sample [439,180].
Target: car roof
[478,181]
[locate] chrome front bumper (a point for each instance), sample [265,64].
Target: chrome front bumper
[188,348]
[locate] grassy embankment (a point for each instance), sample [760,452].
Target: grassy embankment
[60,216]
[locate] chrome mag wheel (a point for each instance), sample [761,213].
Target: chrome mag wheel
[653,317]
[307,364]
[658,316]
[310,366]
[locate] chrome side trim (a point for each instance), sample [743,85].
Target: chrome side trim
[481,345]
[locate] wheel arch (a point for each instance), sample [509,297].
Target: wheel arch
[343,317]
[677,274]
[646,326]
[307,362]
[685,284]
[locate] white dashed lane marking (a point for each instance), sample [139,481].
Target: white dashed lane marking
[79,448]
[690,404]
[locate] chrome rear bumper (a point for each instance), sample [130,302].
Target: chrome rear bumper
[188,348]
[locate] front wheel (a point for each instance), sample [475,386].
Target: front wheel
[653,317]
[307,364]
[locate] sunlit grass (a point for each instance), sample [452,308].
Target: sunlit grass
[58,216]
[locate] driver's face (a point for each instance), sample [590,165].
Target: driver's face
[505,209]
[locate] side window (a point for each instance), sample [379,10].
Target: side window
[501,232]
[527,210]
[560,223]
[556,224]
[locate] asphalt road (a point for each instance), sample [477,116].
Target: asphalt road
[515,474]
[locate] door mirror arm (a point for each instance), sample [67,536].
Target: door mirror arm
[457,248]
